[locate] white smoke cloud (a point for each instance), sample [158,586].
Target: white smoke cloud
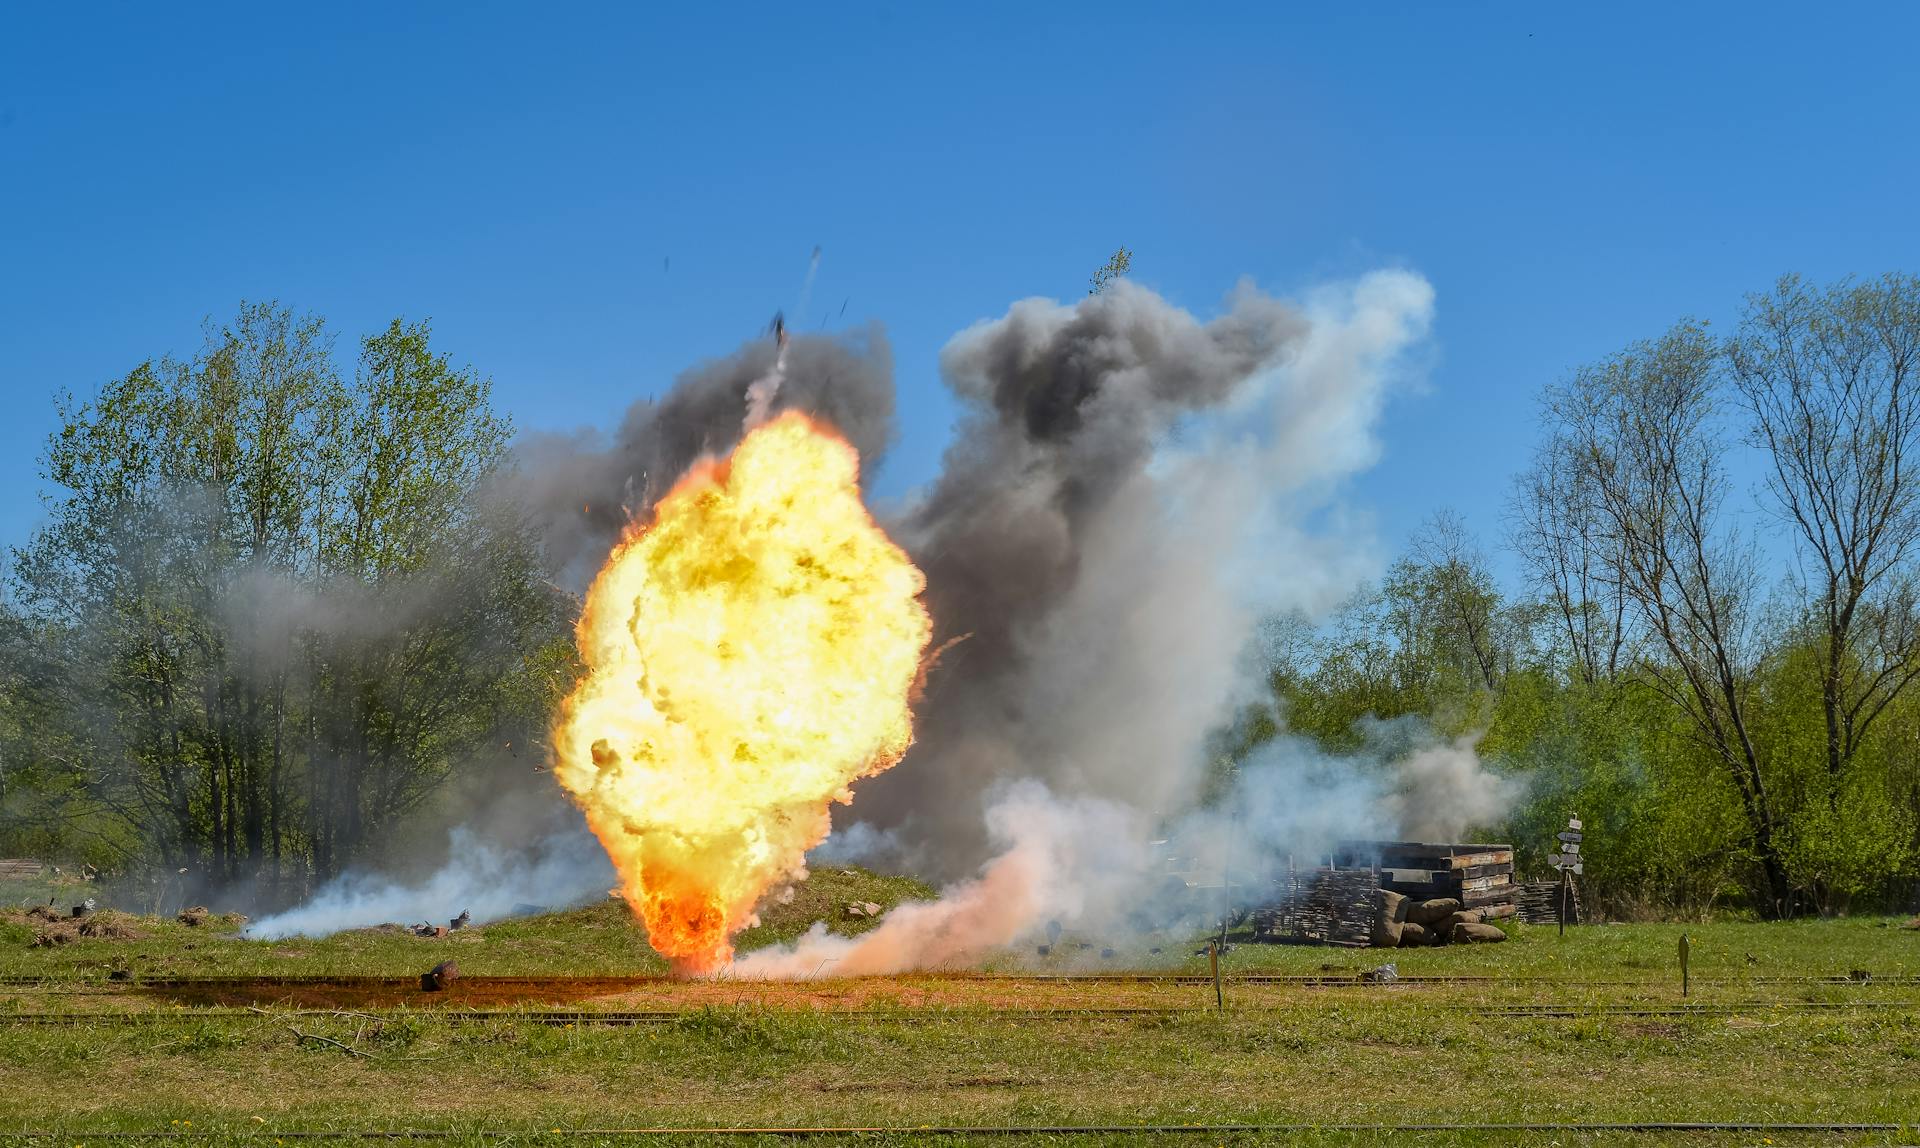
[1084,864]
[481,877]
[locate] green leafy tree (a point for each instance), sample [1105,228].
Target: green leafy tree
[271,614]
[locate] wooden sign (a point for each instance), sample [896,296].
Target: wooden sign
[1572,836]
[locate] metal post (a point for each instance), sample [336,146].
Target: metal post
[1219,995]
[1564,876]
[1684,953]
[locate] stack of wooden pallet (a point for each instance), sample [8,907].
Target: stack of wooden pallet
[1539,903]
[1320,906]
[1480,877]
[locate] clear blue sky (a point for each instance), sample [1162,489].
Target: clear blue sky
[586,202]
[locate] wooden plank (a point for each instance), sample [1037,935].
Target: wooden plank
[1422,892]
[1479,855]
[1473,871]
[1478,897]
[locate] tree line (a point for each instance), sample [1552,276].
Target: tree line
[273,612]
[269,613]
[1710,658]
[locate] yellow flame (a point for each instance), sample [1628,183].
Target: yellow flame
[749,654]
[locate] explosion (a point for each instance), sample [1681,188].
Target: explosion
[749,653]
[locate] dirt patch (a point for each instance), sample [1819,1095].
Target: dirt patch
[376,992]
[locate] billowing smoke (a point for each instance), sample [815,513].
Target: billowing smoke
[1130,491]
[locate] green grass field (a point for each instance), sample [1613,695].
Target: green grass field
[102,1036]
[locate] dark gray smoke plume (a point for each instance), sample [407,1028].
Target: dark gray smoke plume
[1120,505]
[581,490]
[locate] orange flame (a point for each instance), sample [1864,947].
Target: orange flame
[749,654]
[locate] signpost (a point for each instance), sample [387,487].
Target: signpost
[1568,862]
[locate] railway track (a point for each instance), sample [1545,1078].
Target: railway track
[616,984]
[921,1131]
[644,1017]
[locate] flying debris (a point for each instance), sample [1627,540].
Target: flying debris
[780,329]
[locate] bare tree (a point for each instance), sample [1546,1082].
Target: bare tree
[1554,523]
[1640,434]
[1825,376]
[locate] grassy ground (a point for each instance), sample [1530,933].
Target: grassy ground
[1757,1040]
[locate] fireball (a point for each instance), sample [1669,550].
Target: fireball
[749,654]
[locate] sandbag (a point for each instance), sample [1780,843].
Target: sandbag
[1412,935]
[1431,913]
[1470,933]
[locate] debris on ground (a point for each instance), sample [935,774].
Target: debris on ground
[194,916]
[1384,975]
[439,977]
[462,921]
[103,925]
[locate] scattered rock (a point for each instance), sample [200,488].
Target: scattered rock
[1433,912]
[1474,933]
[1412,935]
[856,909]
